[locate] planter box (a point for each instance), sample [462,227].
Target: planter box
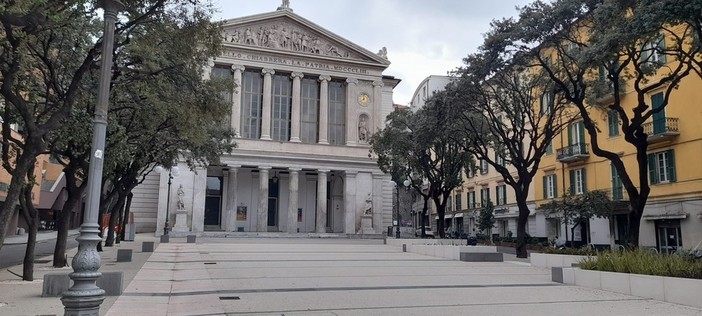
[548,260]
[668,289]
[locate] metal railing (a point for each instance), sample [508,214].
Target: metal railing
[579,149]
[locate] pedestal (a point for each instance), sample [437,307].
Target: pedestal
[181,222]
[366,225]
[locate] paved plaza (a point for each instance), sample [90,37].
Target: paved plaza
[323,276]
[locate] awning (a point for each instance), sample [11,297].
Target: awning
[447,216]
[458,215]
[664,216]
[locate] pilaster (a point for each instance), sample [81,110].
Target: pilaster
[350,202]
[351,124]
[376,123]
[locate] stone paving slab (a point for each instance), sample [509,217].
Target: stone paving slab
[341,277]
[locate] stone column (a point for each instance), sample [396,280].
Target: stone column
[232,187]
[350,202]
[324,109]
[262,220]
[236,100]
[267,99]
[378,202]
[351,117]
[199,194]
[376,122]
[321,226]
[295,118]
[293,202]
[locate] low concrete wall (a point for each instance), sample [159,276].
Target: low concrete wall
[668,289]
[448,252]
[548,260]
[418,241]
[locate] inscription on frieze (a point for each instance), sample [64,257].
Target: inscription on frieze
[294,62]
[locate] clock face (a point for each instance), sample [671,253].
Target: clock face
[363,99]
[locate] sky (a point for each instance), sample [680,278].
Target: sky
[423,37]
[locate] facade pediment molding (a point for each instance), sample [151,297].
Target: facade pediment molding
[285,32]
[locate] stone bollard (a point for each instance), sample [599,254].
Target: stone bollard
[165,239]
[124,255]
[404,247]
[191,239]
[147,246]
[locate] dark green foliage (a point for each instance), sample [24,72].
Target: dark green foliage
[645,262]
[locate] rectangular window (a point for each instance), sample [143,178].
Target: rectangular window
[617,186]
[499,159]
[577,181]
[654,51]
[471,172]
[281,107]
[661,167]
[501,194]
[337,113]
[550,191]
[613,122]
[483,166]
[309,110]
[251,97]
[549,148]
[449,205]
[547,102]
[484,196]
[471,200]
[459,202]
[224,73]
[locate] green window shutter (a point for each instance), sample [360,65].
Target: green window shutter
[661,46]
[545,179]
[581,133]
[584,180]
[570,135]
[652,174]
[555,186]
[572,181]
[671,165]
[541,104]
[644,52]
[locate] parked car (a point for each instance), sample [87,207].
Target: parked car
[427,232]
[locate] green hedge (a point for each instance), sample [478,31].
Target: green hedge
[645,262]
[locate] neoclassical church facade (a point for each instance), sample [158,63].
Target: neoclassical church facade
[305,104]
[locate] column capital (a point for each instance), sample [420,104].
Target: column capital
[267,71]
[378,84]
[325,171]
[378,175]
[238,67]
[297,75]
[264,168]
[325,78]
[294,169]
[351,173]
[352,81]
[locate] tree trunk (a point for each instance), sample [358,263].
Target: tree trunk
[424,217]
[23,163]
[125,220]
[114,219]
[75,196]
[31,217]
[522,221]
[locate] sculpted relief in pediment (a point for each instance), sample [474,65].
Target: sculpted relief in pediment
[284,35]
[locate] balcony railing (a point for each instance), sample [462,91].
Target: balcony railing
[573,153]
[661,129]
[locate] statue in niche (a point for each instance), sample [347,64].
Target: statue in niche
[383,52]
[180,206]
[368,208]
[363,132]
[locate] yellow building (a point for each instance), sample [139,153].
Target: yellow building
[672,218]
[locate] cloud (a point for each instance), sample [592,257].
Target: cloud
[422,37]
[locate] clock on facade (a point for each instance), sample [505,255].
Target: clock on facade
[363,99]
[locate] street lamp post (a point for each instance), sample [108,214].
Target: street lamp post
[85,297]
[406,183]
[173,171]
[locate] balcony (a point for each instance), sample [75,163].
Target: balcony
[660,130]
[573,153]
[604,92]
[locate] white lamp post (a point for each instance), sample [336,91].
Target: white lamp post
[172,172]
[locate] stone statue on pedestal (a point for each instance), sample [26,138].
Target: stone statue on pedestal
[368,208]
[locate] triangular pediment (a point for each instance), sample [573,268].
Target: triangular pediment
[286,32]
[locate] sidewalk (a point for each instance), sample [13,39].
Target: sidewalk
[41,236]
[19,297]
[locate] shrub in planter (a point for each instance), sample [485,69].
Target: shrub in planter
[645,262]
[584,251]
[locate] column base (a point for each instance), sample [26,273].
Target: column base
[295,140]
[323,142]
[266,137]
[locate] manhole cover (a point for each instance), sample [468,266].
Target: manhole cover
[229,298]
